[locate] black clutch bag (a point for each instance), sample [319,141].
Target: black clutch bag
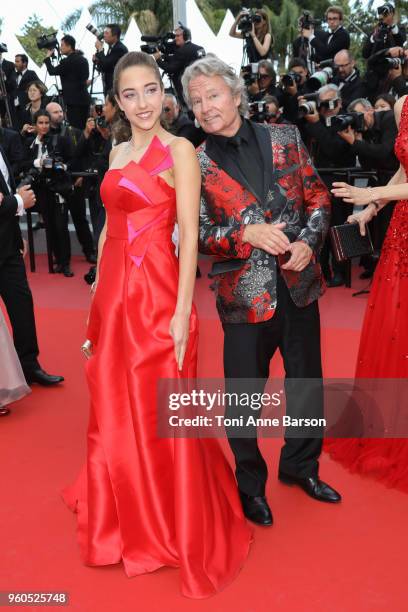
[228,265]
[348,242]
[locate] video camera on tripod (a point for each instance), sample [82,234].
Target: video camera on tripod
[165,44]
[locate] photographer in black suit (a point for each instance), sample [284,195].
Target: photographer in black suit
[12,146]
[24,77]
[74,73]
[9,77]
[185,54]
[48,156]
[106,63]
[325,45]
[14,288]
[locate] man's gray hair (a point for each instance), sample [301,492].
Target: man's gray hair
[364,103]
[327,88]
[211,65]
[172,98]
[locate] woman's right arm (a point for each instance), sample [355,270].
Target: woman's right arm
[233,31]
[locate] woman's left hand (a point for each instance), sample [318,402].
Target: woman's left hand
[179,331]
[351,194]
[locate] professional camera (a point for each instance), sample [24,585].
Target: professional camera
[165,44]
[250,73]
[383,64]
[306,21]
[246,20]
[53,163]
[322,76]
[290,79]
[385,10]
[3,48]
[91,28]
[309,107]
[47,41]
[30,178]
[258,111]
[339,123]
[100,118]
[57,179]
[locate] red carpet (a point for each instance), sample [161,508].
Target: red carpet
[316,557]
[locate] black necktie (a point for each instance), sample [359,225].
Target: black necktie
[235,141]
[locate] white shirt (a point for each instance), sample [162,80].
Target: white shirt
[6,176]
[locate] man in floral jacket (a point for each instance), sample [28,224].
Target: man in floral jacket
[264,215]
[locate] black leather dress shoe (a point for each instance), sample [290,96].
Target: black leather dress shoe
[4,411]
[256,509]
[65,270]
[313,486]
[41,377]
[91,258]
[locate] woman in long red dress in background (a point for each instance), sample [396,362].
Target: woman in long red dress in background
[383,351]
[144,500]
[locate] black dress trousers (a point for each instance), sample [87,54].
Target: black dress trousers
[16,294]
[248,350]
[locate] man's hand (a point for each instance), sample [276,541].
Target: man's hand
[267,237]
[79,181]
[291,90]
[1,198]
[348,135]
[98,45]
[312,117]
[49,53]
[395,52]
[157,55]
[24,250]
[89,127]
[27,195]
[27,127]
[300,257]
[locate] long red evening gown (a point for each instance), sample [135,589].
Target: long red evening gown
[383,349]
[143,500]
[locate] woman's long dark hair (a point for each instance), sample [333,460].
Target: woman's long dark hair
[121,127]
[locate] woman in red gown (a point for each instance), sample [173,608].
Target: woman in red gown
[383,349]
[141,499]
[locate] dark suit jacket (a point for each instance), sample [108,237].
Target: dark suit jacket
[21,91]
[351,90]
[327,50]
[293,192]
[11,143]
[376,150]
[10,234]
[106,63]
[10,76]
[74,72]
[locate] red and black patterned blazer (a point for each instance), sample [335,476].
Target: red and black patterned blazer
[293,193]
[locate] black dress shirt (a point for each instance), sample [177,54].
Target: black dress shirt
[243,150]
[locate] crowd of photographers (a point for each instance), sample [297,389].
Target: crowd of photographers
[60,144]
[345,118]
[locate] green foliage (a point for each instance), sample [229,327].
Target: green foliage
[30,32]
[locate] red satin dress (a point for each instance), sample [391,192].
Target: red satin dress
[143,500]
[383,351]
